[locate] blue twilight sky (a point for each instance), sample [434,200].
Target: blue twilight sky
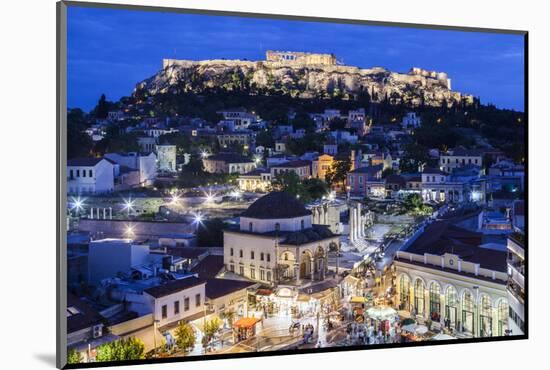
[109,50]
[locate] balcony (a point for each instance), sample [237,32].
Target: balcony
[516,291]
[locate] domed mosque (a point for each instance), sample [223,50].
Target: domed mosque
[277,243]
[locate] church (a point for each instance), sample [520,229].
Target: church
[276,242]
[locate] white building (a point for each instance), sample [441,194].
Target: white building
[411,120]
[166,158]
[177,300]
[516,283]
[146,164]
[459,157]
[446,276]
[276,242]
[90,176]
[109,257]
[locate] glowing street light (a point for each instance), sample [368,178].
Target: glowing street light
[198,219]
[257,160]
[77,204]
[204,154]
[209,197]
[128,205]
[236,194]
[129,231]
[175,199]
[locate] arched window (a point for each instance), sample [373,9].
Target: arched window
[404,291]
[435,301]
[286,257]
[250,226]
[468,312]
[486,317]
[502,317]
[419,296]
[451,304]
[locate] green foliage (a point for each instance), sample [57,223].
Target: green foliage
[210,233]
[338,172]
[307,190]
[287,181]
[414,156]
[388,171]
[116,140]
[309,143]
[414,205]
[185,336]
[212,326]
[103,107]
[265,138]
[74,357]
[303,121]
[122,349]
[79,143]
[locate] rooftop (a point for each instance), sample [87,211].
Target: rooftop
[229,157]
[174,286]
[293,164]
[216,288]
[443,237]
[80,315]
[209,267]
[275,205]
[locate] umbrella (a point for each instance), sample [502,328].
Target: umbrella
[415,329]
[443,336]
[381,313]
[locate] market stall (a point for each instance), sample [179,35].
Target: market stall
[245,328]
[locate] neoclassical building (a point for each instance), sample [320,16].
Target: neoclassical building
[447,274]
[277,243]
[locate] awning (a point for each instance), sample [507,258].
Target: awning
[264,292]
[357,299]
[246,322]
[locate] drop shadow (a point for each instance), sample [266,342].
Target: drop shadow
[46,358]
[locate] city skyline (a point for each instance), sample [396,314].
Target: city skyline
[124,49]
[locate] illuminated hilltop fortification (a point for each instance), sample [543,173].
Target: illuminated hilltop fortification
[306,75]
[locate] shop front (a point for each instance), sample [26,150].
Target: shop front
[245,328]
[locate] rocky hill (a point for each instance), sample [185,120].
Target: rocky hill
[304,81]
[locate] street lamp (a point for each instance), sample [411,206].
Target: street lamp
[77,204]
[155,323]
[128,205]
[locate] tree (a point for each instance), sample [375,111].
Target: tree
[79,143]
[388,171]
[185,336]
[314,189]
[210,233]
[338,172]
[102,107]
[287,181]
[414,204]
[123,349]
[212,326]
[414,156]
[74,357]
